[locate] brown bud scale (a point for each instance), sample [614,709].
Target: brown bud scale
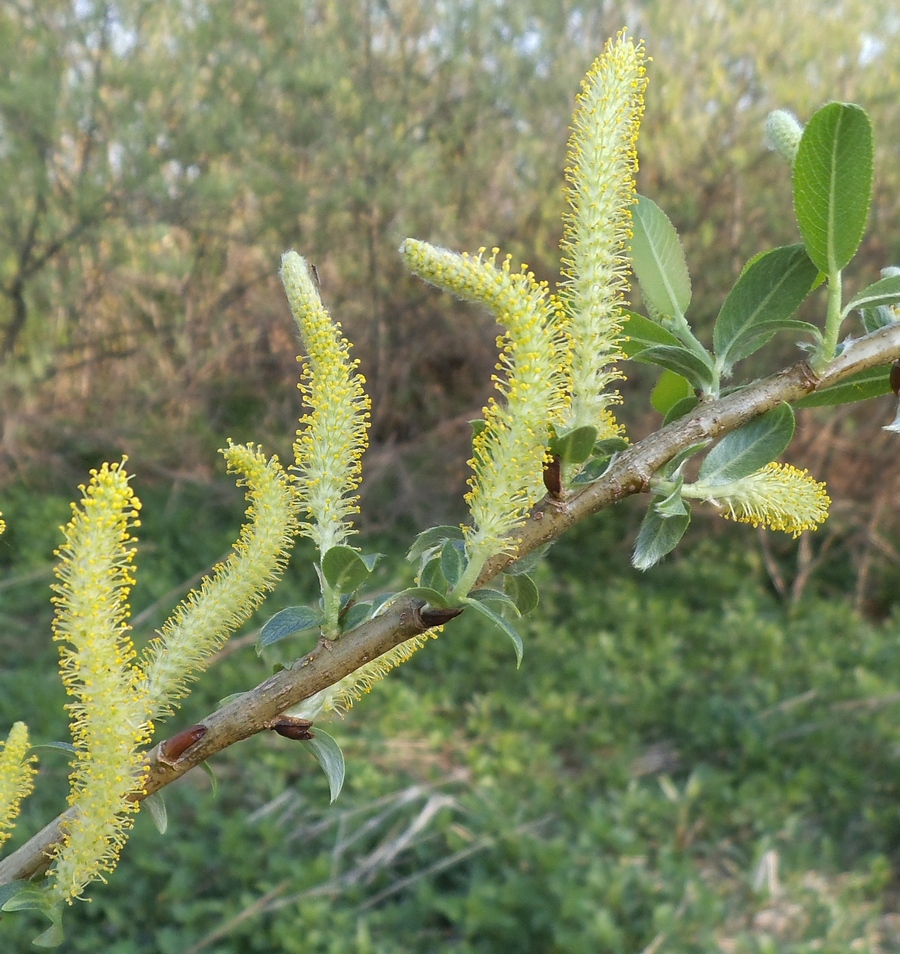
[291,727]
[173,749]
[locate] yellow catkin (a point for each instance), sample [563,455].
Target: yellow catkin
[108,711]
[227,598]
[600,175]
[343,694]
[333,434]
[509,451]
[779,496]
[16,776]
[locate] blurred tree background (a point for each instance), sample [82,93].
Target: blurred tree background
[157,158]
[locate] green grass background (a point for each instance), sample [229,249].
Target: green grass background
[681,764]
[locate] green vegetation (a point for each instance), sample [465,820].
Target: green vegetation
[710,767]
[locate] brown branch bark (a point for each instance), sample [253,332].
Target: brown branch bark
[328,663]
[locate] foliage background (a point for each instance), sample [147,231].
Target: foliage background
[157,159]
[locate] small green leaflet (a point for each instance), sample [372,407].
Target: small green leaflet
[431,540]
[430,596]
[658,260]
[640,333]
[833,184]
[698,370]
[453,561]
[24,896]
[680,409]
[649,341]
[873,382]
[432,576]
[769,290]
[502,624]
[355,615]
[746,450]
[574,446]
[874,319]
[658,536]
[328,754]
[487,594]
[670,389]
[345,569]
[286,622]
[155,804]
[883,292]
[522,591]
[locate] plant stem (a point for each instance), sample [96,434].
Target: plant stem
[825,354]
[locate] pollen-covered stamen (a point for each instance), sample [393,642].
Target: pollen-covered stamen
[600,175]
[509,451]
[224,600]
[779,497]
[16,776]
[332,434]
[341,696]
[108,711]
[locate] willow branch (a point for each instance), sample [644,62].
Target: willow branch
[330,662]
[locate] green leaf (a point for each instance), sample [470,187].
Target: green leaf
[453,561]
[155,804]
[430,596]
[609,446]
[52,937]
[658,260]
[770,289]
[658,536]
[640,333]
[594,469]
[574,446]
[833,184]
[30,897]
[874,319]
[873,382]
[597,466]
[25,896]
[329,755]
[431,540]
[669,390]
[688,364]
[213,781]
[680,409]
[502,624]
[66,747]
[10,890]
[673,505]
[355,616]
[432,576]
[229,698]
[522,591]
[746,450]
[344,569]
[671,467]
[286,622]
[529,562]
[883,292]
[487,594]
[760,335]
